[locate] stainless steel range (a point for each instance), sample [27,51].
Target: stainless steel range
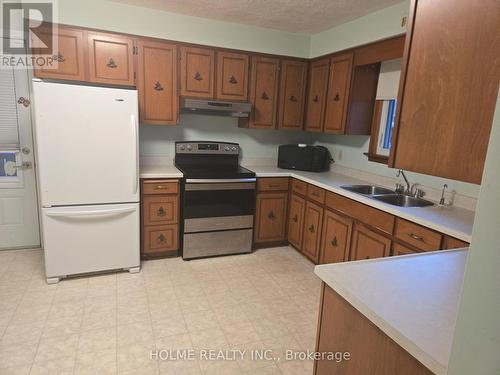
[218,199]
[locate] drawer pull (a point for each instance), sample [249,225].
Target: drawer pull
[336,98]
[161,238]
[158,86]
[315,193]
[334,241]
[160,187]
[111,63]
[311,228]
[293,98]
[316,99]
[233,80]
[161,211]
[198,76]
[274,185]
[271,215]
[295,219]
[416,237]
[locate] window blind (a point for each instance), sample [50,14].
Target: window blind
[9,131]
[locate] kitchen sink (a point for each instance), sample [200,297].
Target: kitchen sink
[367,189]
[402,200]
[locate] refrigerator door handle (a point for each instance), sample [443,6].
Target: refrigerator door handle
[136,153]
[90,213]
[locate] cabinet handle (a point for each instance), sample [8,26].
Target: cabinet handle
[337,97]
[416,237]
[293,98]
[311,228]
[161,211]
[315,99]
[158,86]
[271,215]
[264,96]
[161,238]
[315,193]
[111,63]
[160,187]
[233,80]
[334,241]
[59,57]
[198,76]
[22,100]
[295,219]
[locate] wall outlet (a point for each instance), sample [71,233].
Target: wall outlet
[337,155]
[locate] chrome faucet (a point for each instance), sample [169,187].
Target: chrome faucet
[442,201]
[408,186]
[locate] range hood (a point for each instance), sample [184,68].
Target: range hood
[215,107]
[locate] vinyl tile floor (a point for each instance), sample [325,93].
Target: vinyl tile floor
[174,317]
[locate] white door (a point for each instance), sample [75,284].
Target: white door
[19,226]
[87,146]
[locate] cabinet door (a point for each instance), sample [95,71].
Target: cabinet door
[316,95]
[157,83]
[264,92]
[111,59]
[367,244]
[400,249]
[197,72]
[336,238]
[292,91]
[296,220]
[160,239]
[312,231]
[270,217]
[232,76]
[451,72]
[338,93]
[453,243]
[69,57]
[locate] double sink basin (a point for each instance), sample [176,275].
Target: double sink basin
[387,196]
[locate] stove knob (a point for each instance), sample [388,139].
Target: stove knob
[181,147]
[226,148]
[234,148]
[189,147]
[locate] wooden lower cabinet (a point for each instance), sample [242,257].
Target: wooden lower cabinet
[400,249]
[343,328]
[296,220]
[368,244]
[453,243]
[270,217]
[312,231]
[336,238]
[159,218]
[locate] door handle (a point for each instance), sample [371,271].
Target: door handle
[24,165]
[334,241]
[111,63]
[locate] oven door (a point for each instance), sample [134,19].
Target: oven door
[206,198]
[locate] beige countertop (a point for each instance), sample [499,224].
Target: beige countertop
[451,220]
[412,298]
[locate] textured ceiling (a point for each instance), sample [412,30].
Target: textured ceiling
[306,16]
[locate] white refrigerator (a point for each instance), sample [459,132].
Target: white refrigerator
[87,163]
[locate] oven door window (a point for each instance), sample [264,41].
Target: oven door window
[200,203]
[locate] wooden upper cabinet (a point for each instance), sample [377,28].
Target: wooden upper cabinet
[292,92]
[264,79]
[296,220]
[312,231]
[338,93]
[336,238]
[197,72]
[111,59]
[157,83]
[448,89]
[232,76]
[367,244]
[270,217]
[68,58]
[316,95]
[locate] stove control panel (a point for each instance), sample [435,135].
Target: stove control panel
[207,148]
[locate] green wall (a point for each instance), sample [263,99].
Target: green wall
[113,16]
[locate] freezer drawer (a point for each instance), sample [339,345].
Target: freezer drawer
[82,239]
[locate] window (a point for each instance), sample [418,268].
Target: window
[383,123]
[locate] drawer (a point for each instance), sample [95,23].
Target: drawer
[359,211]
[272,184]
[160,238]
[316,194]
[160,187]
[299,187]
[453,243]
[420,237]
[399,249]
[161,209]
